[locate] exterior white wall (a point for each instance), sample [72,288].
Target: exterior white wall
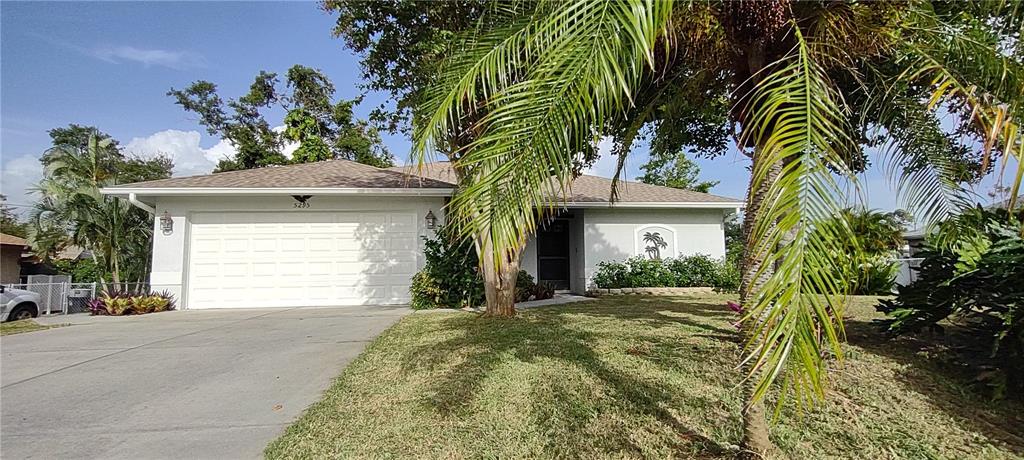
[528,261]
[170,251]
[577,253]
[611,234]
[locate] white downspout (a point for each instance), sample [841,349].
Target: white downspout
[138,204]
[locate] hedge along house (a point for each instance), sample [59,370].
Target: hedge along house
[343,233]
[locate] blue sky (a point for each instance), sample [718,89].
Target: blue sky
[110,65]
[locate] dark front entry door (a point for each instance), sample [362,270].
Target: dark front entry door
[553,254]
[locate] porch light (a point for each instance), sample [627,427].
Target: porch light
[166,224]
[431,220]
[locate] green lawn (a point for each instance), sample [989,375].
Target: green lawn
[18,327]
[632,377]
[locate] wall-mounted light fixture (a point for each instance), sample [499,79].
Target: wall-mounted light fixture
[431,220]
[166,223]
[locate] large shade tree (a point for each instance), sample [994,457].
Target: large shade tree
[320,128]
[814,91]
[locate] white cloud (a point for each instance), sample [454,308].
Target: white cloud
[21,173]
[607,163]
[18,175]
[148,57]
[189,157]
[289,147]
[183,147]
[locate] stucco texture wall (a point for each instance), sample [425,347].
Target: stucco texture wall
[617,234]
[170,251]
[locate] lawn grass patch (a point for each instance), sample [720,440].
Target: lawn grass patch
[631,377]
[25,325]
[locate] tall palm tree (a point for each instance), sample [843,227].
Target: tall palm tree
[807,81]
[71,211]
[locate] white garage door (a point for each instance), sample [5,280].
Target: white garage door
[294,259]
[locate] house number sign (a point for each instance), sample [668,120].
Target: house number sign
[301,201]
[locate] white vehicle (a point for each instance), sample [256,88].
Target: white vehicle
[17,304]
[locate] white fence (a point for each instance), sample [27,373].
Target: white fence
[60,297]
[908,271]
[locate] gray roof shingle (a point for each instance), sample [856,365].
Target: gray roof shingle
[332,173]
[440,175]
[589,189]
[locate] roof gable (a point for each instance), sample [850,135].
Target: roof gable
[11,240]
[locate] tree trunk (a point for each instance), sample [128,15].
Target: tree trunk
[500,276]
[756,443]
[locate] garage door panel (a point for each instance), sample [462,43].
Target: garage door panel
[239,245]
[244,260]
[292,245]
[404,243]
[321,244]
[264,269]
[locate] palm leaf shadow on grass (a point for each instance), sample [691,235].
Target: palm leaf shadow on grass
[533,337]
[937,367]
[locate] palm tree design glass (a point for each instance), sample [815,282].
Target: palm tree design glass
[654,244]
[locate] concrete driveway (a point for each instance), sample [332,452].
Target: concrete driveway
[189,384]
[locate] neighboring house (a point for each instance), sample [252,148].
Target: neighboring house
[914,241]
[344,233]
[11,249]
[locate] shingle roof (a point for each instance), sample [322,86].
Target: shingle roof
[12,240]
[590,189]
[344,174]
[333,173]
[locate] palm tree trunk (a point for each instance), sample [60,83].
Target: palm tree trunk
[500,276]
[115,272]
[756,442]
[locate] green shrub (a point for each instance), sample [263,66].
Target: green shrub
[449,278]
[875,276]
[690,271]
[645,272]
[543,291]
[81,270]
[610,275]
[728,279]
[524,286]
[972,272]
[426,292]
[698,270]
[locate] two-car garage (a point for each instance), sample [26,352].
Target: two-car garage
[292,259]
[332,233]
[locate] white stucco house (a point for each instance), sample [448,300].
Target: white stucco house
[344,233]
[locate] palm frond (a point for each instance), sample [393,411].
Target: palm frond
[538,95]
[798,123]
[968,73]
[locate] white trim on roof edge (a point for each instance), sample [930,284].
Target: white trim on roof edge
[240,191]
[657,204]
[203,191]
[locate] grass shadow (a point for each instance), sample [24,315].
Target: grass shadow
[937,367]
[547,336]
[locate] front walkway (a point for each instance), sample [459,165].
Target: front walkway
[558,299]
[189,384]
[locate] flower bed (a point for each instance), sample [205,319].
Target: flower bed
[651,291]
[125,303]
[698,271]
